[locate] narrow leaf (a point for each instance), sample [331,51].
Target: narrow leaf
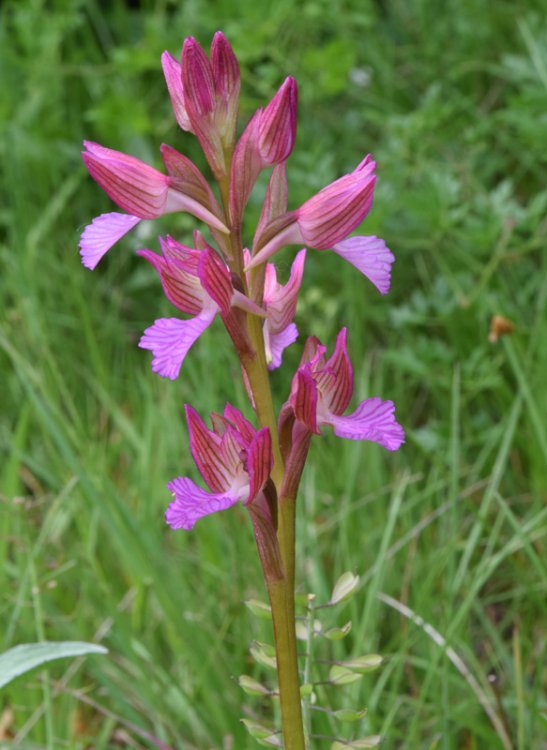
[27,656]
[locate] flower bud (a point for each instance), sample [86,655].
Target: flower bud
[277,129]
[227,84]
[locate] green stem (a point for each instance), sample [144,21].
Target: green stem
[281,591]
[287,665]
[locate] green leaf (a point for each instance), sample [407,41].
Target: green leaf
[349,714]
[263,654]
[336,634]
[265,735]
[344,588]
[363,664]
[252,686]
[260,609]
[341,676]
[27,656]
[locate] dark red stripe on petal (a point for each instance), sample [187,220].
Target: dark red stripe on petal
[259,462]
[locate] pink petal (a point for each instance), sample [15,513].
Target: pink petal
[276,343]
[374,420]
[244,427]
[215,279]
[277,129]
[335,211]
[275,202]
[182,287]
[190,190]
[197,76]
[284,230]
[135,186]
[281,300]
[337,390]
[206,447]
[371,256]
[172,72]
[227,84]
[259,462]
[103,232]
[169,339]
[304,398]
[225,67]
[245,168]
[192,503]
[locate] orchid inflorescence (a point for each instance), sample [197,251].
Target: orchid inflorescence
[258,466]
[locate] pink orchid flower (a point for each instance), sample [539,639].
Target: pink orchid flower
[145,193]
[198,283]
[322,389]
[325,221]
[234,459]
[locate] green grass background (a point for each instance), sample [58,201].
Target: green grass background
[452,100]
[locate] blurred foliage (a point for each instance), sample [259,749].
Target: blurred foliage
[451,99]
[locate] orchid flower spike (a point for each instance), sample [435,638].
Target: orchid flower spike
[145,193]
[322,389]
[198,283]
[234,459]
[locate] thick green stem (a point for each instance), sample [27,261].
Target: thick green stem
[287,665]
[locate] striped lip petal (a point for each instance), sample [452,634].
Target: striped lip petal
[103,232]
[170,339]
[276,343]
[190,503]
[371,256]
[373,420]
